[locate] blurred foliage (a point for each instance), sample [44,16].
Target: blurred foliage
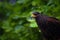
[15,18]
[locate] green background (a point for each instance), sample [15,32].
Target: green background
[15,18]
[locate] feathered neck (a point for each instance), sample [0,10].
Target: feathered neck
[39,19]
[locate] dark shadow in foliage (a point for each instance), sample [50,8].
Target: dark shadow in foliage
[3,16]
[16,20]
[36,32]
[1,0]
[13,1]
[1,31]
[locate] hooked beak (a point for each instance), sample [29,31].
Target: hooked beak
[33,15]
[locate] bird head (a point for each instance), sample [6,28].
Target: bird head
[35,14]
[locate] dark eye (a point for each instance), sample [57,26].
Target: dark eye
[36,13]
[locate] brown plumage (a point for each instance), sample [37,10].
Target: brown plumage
[49,26]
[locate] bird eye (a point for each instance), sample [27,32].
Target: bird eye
[36,13]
